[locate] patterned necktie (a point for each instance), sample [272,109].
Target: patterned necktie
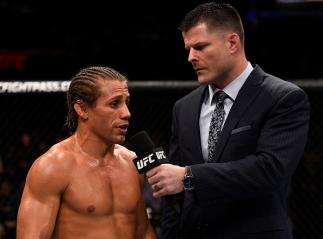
[216,123]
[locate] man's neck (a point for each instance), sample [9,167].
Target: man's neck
[93,147]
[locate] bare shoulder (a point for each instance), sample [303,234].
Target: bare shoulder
[53,169]
[124,152]
[128,156]
[59,157]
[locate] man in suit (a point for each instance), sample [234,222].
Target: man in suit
[232,156]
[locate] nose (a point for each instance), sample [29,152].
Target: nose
[191,55]
[125,113]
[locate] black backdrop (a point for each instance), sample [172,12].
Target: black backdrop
[53,40]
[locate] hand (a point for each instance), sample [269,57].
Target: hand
[166,179]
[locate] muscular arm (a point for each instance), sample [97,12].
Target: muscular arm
[143,222]
[40,200]
[144,229]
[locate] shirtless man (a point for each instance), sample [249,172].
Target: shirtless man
[87,186]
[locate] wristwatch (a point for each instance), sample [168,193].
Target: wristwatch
[188,179]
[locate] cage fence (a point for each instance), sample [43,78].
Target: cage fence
[32,120]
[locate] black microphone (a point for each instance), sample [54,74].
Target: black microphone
[148,156]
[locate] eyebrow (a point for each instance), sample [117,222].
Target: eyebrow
[197,44]
[119,97]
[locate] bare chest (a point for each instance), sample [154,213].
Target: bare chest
[103,191]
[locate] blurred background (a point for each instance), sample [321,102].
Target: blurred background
[43,44]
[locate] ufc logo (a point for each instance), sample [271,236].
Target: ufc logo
[143,162]
[160,154]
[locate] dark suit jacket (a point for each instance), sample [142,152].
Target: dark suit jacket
[243,193]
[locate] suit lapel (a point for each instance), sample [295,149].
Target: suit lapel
[246,95]
[195,107]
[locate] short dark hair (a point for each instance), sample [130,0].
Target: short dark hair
[84,87]
[215,15]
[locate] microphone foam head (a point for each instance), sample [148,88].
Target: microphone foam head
[141,143]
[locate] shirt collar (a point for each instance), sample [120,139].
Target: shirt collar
[233,88]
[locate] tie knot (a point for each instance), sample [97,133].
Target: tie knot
[219,97]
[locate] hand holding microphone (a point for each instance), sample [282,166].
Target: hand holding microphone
[163,177]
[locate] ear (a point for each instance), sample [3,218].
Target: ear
[233,42]
[81,109]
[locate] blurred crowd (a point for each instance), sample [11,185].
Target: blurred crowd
[15,162]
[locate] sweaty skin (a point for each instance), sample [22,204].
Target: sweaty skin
[68,194]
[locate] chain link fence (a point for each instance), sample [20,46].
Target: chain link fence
[32,122]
